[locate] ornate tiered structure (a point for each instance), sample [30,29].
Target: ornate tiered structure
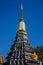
[21,51]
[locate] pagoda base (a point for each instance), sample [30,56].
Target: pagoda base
[27,62]
[32,62]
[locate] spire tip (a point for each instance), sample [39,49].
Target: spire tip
[21,6]
[21,15]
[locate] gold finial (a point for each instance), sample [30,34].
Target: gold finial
[21,28]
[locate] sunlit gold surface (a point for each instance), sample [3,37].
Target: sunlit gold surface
[23,32]
[21,26]
[33,56]
[1,60]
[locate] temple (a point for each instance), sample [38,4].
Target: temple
[21,52]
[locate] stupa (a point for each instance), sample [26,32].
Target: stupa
[21,51]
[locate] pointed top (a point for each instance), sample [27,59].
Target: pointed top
[21,6]
[21,27]
[21,12]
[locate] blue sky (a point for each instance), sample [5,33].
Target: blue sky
[9,20]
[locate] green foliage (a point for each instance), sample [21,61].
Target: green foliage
[39,52]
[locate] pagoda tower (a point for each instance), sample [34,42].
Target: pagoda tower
[21,51]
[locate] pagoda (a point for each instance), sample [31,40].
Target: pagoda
[21,52]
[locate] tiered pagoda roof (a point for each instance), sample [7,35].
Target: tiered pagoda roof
[21,51]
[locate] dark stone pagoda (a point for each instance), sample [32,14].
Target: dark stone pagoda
[21,51]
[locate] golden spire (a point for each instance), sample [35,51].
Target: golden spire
[21,24]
